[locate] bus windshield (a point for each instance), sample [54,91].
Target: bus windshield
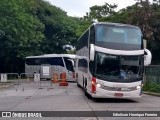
[117,36]
[118,68]
[69,64]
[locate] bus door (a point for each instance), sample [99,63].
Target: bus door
[45,72]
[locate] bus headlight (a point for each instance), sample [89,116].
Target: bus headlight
[138,87]
[98,85]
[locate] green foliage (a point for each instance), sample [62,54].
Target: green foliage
[20,33]
[82,25]
[20,30]
[153,87]
[59,28]
[32,27]
[98,12]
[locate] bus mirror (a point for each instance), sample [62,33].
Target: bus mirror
[92,52]
[147,57]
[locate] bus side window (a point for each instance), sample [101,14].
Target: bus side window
[82,65]
[91,67]
[56,61]
[37,61]
[92,35]
[33,61]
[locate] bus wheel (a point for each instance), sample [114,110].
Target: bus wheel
[78,85]
[86,93]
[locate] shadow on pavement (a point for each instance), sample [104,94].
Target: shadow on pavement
[113,100]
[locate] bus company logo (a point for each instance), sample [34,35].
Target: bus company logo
[120,86]
[6,114]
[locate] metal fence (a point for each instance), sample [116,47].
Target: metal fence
[24,81]
[152,74]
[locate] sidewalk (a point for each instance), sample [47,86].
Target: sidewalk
[152,93]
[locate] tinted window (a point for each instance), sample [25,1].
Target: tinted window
[118,68]
[118,34]
[69,64]
[116,37]
[92,35]
[33,61]
[82,65]
[50,61]
[107,65]
[53,61]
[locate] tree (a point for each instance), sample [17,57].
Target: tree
[98,12]
[21,32]
[59,28]
[32,27]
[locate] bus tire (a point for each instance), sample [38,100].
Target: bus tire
[78,85]
[83,83]
[85,91]
[86,94]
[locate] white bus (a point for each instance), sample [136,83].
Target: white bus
[110,59]
[48,64]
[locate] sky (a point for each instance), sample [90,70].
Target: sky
[78,8]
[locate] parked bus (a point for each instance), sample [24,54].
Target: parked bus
[48,64]
[110,59]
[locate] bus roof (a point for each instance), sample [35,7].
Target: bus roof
[53,55]
[116,24]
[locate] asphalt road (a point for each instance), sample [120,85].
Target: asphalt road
[30,98]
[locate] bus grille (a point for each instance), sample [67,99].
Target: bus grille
[118,88]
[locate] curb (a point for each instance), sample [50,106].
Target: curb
[152,93]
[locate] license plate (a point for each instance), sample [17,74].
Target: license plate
[118,94]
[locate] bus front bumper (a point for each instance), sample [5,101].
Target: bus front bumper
[101,93]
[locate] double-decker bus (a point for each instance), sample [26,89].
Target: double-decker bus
[48,64]
[110,59]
